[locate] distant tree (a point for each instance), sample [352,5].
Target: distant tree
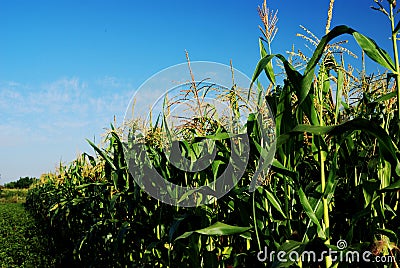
[24,182]
[10,184]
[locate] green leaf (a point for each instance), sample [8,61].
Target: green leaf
[283,170]
[332,177]
[204,190]
[373,51]
[269,71]
[310,212]
[393,187]
[307,81]
[388,233]
[102,154]
[370,127]
[369,188]
[387,96]
[220,228]
[261,65]
[291,72]
[369,46]
[185,235]
[274,202]
[317,130]
[217,228]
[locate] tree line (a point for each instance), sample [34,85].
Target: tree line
[21,183]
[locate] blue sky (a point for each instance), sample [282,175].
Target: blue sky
[67,67]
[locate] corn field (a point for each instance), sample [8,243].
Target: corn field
[335,176]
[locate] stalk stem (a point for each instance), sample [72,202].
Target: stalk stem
[322,156]
[255,220]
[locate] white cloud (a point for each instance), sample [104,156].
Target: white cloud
[53,119]
[111,82]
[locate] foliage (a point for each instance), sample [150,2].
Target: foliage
[22,242]
[21,183]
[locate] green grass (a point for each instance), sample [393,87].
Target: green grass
[22,242]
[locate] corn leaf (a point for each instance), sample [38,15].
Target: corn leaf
[373,51]
[385,142]
[102,154]
[310,212]
[217,228]
[274,202]
[393,187]
[269,71]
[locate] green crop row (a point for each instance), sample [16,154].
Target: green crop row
[23,244]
